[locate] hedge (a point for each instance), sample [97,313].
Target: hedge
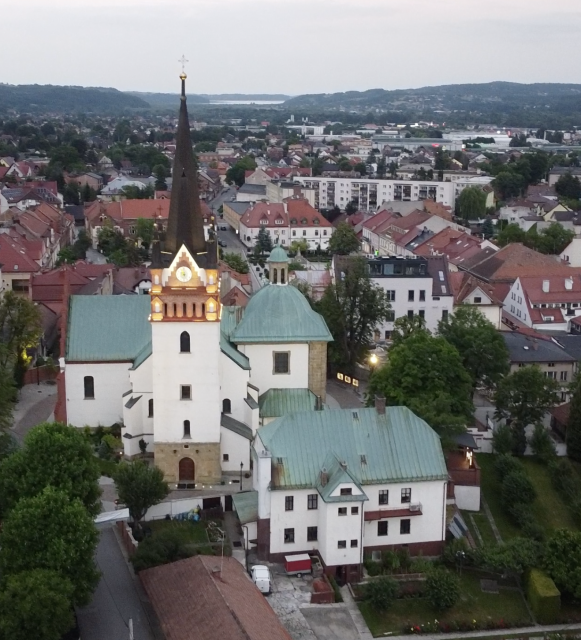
[543,596]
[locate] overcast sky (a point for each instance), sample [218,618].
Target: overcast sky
[288,46]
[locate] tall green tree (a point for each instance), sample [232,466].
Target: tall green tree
[568,186]
[140,487]
[405,327]
[344,240]
[144,230]
[7,391]
[472,203]
[57,455]
[508,184]
[49,531]
[488,228]
[20,329]
[562,561]
[524,396]
[554,239]
[482,349]
[425,374]
[36,604]
[574,424]
[237,172]
[263,242]
[160,173]
[511,233]
[352,308]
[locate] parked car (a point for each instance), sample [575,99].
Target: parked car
[222,243]
[261,577]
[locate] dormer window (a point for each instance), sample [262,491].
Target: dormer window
[316,221]
[304,221]
[293,221]
[279,221]
[264,221]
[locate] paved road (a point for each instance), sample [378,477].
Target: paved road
[118,597]
[225,196]
[95,257]
[35,404]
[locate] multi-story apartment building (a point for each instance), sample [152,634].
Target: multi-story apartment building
[367,194]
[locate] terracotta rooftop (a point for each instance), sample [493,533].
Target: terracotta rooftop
[194,599]
[560,288]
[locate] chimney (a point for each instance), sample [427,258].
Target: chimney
[546,286]
[324,477]
[318,403]
[535,344]
[380,405]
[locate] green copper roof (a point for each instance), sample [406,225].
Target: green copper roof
[336,475]
[280,314]
[230,318]
[394,447]
[246,505]
[108,328]
[278,255]
[278,402]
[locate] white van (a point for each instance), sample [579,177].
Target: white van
[262,579]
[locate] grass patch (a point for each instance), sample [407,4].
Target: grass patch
[491,491]
[107,467]
[485,528]
[548,508]
[189,532]
[507,605]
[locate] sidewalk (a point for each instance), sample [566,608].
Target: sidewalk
[521,632]
[35,404]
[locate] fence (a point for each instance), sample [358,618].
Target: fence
[40,374]
[174,507]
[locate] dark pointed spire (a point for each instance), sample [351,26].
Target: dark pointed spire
[186,222]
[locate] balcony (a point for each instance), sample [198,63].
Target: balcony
[403,511]
[464,471]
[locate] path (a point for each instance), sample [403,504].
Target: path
[491,520]
[522,632]
[343,396]
[95,257]
[35,404]
[118,597]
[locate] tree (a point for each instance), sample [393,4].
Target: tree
[361,167]
[263,242]
[554,239]
[541,444]
[487,228]
[36,604]
[519,140]
[236,262]
[482,348]
[140,487]
[563,561]
[568,186]
[405,327]
[237,173]
[381,592]
[7,391]
[20,329]
[352,308]
[299,245]
[514,556]
[502,440]
[351,208]
[425,373]
[517,489]
[511,233]
[525,395]
[144,230]
[573,434]
[56,455]
[50,531]
[442,588]
[472,203]
[159,171]
[344,240]
[508,184]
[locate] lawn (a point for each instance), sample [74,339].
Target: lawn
[190,532]
[548,508]
[507,605]
[484,527]
[491,492]
[107,467]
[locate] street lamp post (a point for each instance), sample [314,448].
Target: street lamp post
[373,360]
[241,466]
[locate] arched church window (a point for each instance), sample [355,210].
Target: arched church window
[282,276]
[275,276]
[89,384]
[226,406]
[184,342]
[186,429]
[150,408]
[184,310]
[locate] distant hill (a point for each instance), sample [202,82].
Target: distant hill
[246,96]
[166,100]
[473,98]
[62,99]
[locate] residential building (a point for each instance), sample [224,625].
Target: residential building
[526,348]
[320,487]
[458,246]
[485,297]
[93,180]
[279,190]
[251,193]
[17,265]
[367,194]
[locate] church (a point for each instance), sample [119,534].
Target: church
[191,380]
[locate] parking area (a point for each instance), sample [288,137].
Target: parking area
[291,601]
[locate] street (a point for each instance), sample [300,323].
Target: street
[233,243]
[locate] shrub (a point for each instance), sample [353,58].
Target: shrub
[502,440]
[442,588]
[543,596]
[542,444]
[505,464]
[381,593]
[336,590]
[167,545]
[390,561]
[373,568]
[517,489]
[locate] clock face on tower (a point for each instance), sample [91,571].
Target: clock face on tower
[184,274]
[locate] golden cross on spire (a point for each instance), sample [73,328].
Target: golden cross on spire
[183,62]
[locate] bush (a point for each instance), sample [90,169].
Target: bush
[336,590]
[502,440]
[542,444]
[167,545]
[442,588]
[543,596]
[505,464]
[381,593]
[517,489]
[373,568]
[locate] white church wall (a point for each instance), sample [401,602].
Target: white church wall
[233,381]
[234,449]
[262,362]
[111,381]
[200,369]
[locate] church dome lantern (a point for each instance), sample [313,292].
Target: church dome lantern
[278,266]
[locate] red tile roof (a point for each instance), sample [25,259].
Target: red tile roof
[128,210]
[193,598]
[558,292]
[14,258]
[265,214]
[300,209]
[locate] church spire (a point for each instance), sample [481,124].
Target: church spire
[186,222]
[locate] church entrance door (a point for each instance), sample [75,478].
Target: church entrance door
[187,470]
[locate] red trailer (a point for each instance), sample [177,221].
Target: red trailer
[298,564]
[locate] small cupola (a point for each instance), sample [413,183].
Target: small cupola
[278,266]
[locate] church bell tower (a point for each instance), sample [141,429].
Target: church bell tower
[185,319]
